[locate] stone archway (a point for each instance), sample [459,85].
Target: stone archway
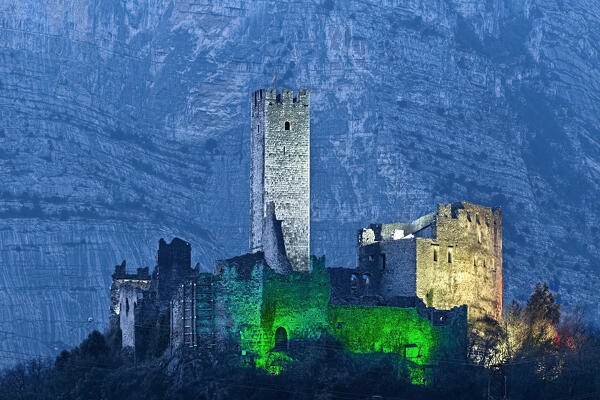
[281,339]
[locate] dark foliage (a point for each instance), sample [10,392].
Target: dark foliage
[564,367]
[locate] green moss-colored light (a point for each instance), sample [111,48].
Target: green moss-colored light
[299,303]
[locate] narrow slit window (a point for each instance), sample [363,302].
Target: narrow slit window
[382,260]
[284,150]
[366,279]
[287,125]
[353,283]
[449,256]
[435,255]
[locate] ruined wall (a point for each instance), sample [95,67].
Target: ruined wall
[296,302]
[348,284]
[238,286]
[173,265]
[192,312]
[253,302]
[126,292]
[468,269]
[140,279]
[273,242]
[400,331]
[176,328]
[129,296]
[280,169]
[391,265]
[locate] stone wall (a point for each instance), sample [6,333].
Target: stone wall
[173,265]
[447,258]
[391,266]
[401,331]
[129,296]
[468,269]
[253,302]
[238,288]
[280,169]
[125,292]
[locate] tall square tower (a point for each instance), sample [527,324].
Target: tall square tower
[280,170]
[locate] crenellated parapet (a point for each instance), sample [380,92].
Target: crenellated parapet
[124,292]
[285,97]
[120,274]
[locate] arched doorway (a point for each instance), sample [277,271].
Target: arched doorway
[281,339]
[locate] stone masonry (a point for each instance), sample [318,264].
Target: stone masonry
[126,292]
[447,258]
[138,300]
[280,170]
[468,269]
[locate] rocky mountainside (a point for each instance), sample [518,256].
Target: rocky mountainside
[123,121]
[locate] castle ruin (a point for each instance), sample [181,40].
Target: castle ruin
[413,289]
[447,258]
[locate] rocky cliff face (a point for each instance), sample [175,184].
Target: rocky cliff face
[123,121]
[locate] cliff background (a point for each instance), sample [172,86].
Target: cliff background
[125,121]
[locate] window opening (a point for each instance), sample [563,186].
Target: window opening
[435,255]
[354,283]
[449,256]
[287,125]
[366,279]
[411,351]
[382,260]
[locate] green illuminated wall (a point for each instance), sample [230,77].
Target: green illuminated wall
[251,306]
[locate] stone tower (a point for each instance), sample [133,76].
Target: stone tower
[280,170]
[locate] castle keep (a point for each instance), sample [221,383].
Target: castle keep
[280,171]
[413,289]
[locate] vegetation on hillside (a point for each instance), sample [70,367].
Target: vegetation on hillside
[532,353]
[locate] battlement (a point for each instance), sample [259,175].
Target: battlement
[120,274]
[465,211]
[286,96]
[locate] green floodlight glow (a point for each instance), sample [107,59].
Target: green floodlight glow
[298,305]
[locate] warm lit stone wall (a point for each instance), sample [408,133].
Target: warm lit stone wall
[468,269]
